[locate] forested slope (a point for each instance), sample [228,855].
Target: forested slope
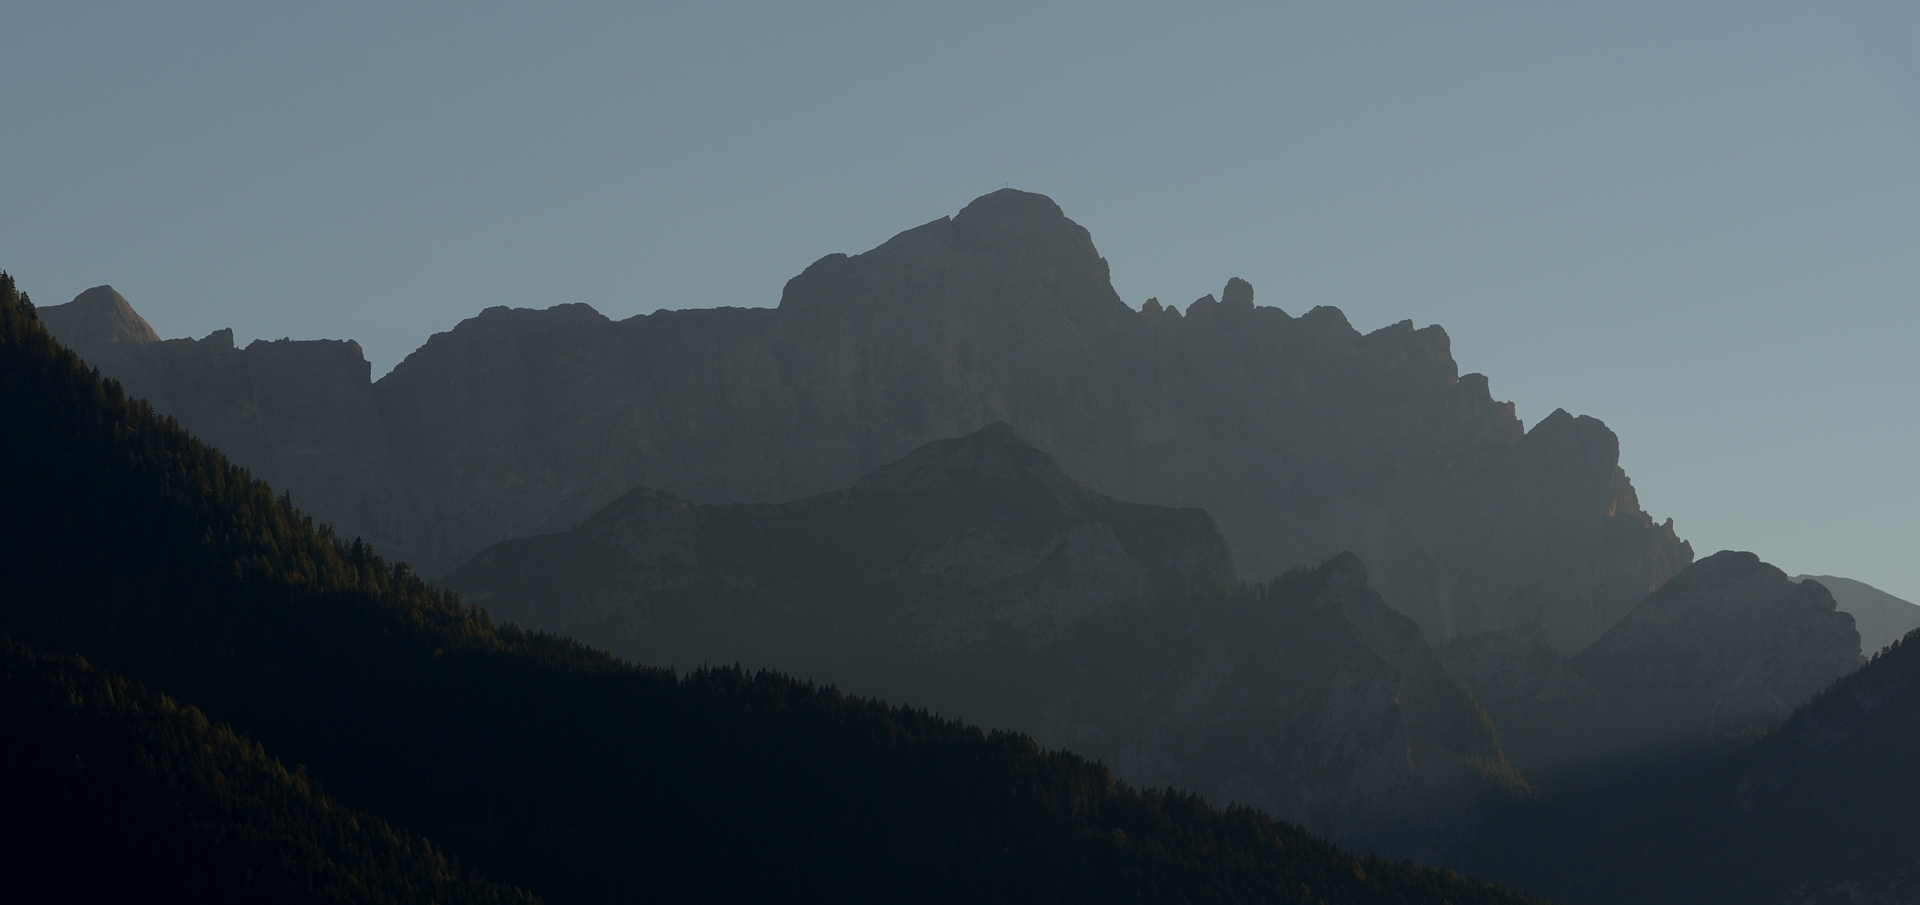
[545,764]
[113,793]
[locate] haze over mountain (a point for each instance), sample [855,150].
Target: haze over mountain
[1819,810]
[1731,645]
[1302,437]
[974,577]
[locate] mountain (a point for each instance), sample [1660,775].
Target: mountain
[98,315]
[976,578]
[1731,645]
[979,543]
[118,794]
[1301,436]
[301,413]
[1817,810]
[1881,617]
[545,764]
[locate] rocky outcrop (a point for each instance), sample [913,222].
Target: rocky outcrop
[98,315]
[1730,645]
[1303,437]
[1881,617]
[975,578]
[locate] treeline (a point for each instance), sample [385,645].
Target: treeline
[536,761]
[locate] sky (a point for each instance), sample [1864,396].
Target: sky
[1697,222]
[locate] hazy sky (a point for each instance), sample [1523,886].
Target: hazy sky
[1698,222]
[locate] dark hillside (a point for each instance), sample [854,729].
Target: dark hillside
[1820,809]
[116,794]
[545,764]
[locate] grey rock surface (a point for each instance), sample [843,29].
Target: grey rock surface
[1303,437]
[1881,617]
[98,315]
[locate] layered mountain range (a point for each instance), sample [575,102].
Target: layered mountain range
[175,633]
[975,577]
[1730,646]
[908,480]
[1303,437]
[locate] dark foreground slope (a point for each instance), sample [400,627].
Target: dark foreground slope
[547,765]
[115,794]
[1819,810]
[1299,434]
[976,578]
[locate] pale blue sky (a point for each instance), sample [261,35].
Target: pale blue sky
[1700,224]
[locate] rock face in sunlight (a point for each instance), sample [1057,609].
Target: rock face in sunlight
[98,315]
[1302,436]
[975,578]
[1730,645]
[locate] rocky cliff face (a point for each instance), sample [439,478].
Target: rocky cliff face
[1881,617]
[1729,645]
[974,577]
[1302,436]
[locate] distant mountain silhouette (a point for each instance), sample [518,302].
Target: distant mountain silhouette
[1303,437]
[1881,617]
[976,578]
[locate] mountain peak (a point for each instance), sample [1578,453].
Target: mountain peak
[993,453]
[1032,228]
[97,315]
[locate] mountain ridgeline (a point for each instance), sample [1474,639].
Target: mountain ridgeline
[536,761]
[976,578]
[909,481]
[1301,436]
